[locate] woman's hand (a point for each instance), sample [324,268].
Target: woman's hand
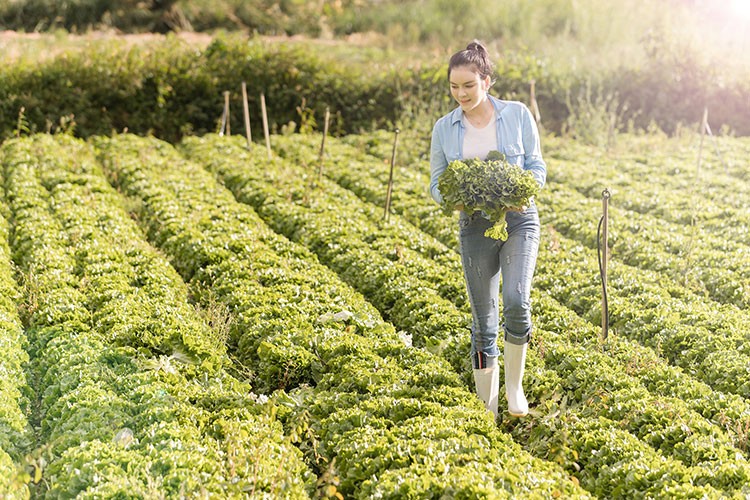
[459,207]
[518,209]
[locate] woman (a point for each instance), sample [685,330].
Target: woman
[482,123]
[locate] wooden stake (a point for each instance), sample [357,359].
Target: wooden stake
[532,102]
[389,191]
[265,124]
[704,125]
[226,127]
[323,144]
[246,111]
[223,120]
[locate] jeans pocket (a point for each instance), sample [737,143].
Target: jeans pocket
[527,221]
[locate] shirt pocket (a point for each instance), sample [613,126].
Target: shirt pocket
[514,153]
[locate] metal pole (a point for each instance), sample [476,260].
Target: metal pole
[603,258]
[389,191]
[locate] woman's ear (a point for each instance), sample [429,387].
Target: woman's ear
[487,81]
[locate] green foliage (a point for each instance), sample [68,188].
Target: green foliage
[15,429]
[170,89]
[581,382]
[131,392]
[492,186]
[365,393]
[82,15]
[654,65]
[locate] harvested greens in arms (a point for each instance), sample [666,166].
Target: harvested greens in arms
[493,186]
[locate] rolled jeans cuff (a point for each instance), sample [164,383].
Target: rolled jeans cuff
[517,339]
[480,360]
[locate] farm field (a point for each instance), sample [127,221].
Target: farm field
[196,319]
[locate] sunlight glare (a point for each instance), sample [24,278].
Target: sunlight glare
[741,8]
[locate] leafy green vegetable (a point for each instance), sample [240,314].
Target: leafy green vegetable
[493,186]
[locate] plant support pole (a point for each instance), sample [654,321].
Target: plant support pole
[265,124]
[603,246]
[225,126]
[224,115]
[323,145]
[389,191]
[246,112]
[704,124]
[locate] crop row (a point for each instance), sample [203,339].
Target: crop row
[672,223]
[132,398]
[715,198]
[562,258]
[365,179]
[268,187]
[14,429]
[384,418]
[690,255]
[706,339]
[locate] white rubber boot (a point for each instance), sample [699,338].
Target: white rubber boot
[515,362]
[487,381]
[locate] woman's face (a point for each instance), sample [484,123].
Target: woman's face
[468,88]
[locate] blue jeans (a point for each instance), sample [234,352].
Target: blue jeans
[484,261]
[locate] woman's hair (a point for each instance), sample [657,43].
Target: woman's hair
[474,56]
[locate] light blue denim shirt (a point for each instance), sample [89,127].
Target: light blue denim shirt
[517,138]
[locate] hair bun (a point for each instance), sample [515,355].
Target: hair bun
[474,57]
[477,46]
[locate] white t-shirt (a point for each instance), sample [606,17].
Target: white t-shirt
[479,141]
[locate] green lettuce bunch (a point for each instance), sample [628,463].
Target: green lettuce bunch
[493,186]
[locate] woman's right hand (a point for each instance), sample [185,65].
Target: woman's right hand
[459,207]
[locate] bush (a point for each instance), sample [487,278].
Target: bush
[170,88]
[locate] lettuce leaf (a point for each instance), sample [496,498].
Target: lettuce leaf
[492,186]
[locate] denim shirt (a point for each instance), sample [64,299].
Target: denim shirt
[517,138]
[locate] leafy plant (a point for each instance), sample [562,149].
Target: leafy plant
[492,186]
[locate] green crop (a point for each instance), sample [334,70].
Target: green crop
[492,186]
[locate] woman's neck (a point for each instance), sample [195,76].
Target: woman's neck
[481,114]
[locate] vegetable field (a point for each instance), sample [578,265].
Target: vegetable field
[200,320]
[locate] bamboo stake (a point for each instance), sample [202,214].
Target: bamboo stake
[265,123]
[246,112]
[323,144]
[389,191]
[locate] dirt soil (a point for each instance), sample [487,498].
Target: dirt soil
[40,46]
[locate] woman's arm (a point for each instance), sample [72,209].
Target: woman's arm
[533,160]
[438,163]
